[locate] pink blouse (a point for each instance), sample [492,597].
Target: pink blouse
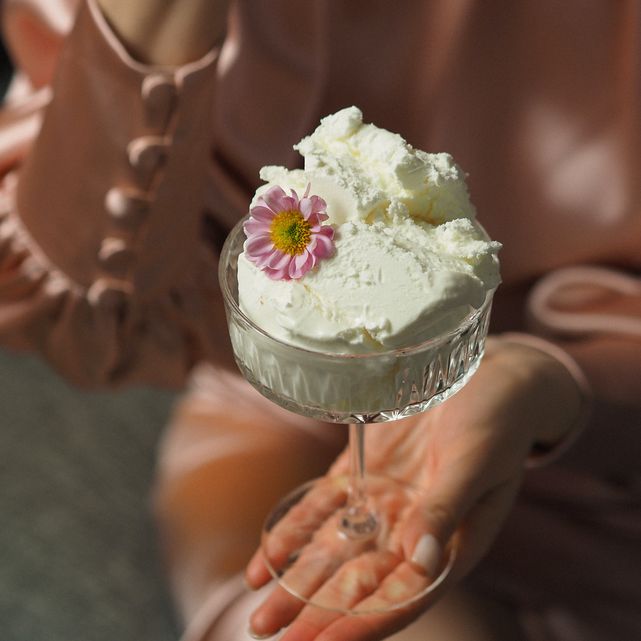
[121,180]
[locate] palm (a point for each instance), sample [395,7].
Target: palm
[451,452]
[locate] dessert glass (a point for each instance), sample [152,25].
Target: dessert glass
[352,517]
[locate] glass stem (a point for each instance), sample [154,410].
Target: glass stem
[357,491]
[357,521]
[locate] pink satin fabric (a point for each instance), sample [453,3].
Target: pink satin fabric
[539,101]
[104,268]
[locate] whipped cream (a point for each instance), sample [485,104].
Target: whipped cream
[410,260]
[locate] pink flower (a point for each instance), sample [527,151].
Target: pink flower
[285,234]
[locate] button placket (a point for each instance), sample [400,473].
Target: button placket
[115,255]
[146,155]
[109,293]
[128,205]
[159,95]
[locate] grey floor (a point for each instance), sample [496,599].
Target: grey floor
[78,558]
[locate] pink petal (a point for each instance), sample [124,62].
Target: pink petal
[291,203]
[302,259]
[316,220]
[313,207]
[286,203]
[305,207]
[278,260]
[309,186]
[253,227]
[300,265]
[258,246]
[278,274]
[312,258]
[276,199]
[262,261]
[325,230]
[323,247]
[318,204]
[261,213]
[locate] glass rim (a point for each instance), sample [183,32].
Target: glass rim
[230,300]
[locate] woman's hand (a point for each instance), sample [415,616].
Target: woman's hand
[469,455]
[167,32]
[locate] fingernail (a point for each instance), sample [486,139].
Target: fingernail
[247,586]
[427,554]
[255,635]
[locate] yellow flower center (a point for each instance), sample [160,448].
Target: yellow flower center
[290,232]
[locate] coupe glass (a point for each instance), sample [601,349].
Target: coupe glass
[357,512]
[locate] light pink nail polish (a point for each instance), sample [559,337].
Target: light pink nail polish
[427,554]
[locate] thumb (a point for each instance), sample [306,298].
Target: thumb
[432,522]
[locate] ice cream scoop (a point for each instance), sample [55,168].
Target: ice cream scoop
[408,263]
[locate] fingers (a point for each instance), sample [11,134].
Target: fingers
[473,539]
[333,585]
[256,572]
[475,532]
[395,582]
[313,569]
[338,576]
[435,517]
[376,582]
[287,537]
[275,613]
[466,496]
[325,566]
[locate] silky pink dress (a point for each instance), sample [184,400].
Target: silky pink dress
[121,181]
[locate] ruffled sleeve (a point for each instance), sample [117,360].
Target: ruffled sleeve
[102,264]
[591,316]
[594,312]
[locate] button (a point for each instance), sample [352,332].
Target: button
[32,268]
[128,207]
[146,155]
[114,255]
[108,293]
[56,285]
[147,152]
[159,94]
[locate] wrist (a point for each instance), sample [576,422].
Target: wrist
[559,390]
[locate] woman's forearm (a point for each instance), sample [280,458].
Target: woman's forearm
[162,32]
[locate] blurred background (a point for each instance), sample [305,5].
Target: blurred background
[78,554]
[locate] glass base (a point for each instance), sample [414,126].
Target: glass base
[351,561]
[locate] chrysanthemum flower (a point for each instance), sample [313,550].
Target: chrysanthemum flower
[285,234]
